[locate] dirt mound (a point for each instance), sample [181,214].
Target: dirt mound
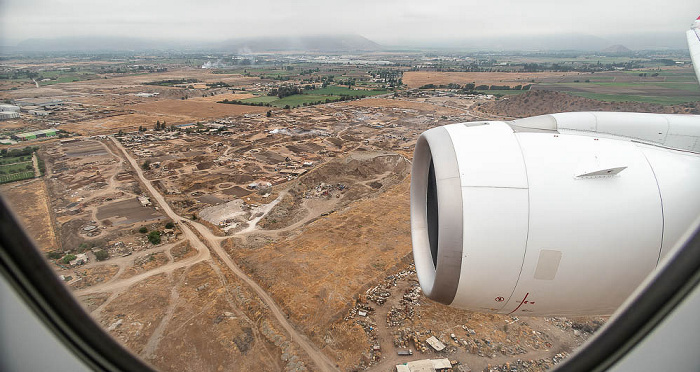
[338,182]
[357,167]
[540,102]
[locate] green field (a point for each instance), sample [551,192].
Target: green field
[15,159]
[261,99]
[15,169]
[5,178]
[335,90]
[300,99]
[635,98]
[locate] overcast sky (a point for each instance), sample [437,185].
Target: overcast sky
[386,22]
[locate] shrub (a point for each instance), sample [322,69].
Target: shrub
[101,255]
[68,258]
[169,225]
[154,237]
[143,230]
[54,255]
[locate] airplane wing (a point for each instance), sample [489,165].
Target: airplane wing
[694,45]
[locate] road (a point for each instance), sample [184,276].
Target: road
[320,360]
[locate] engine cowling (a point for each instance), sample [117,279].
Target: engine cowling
[560,214]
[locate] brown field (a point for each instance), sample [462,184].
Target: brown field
[15,124]
[416,79]
[221,97]
[195,109]
[129,122]
[402,104]
[171,111]
[204,76]
[28,199]
[540,102]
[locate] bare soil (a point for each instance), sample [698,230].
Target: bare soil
[315,275]
[29,200]
[416,79]
[540,102]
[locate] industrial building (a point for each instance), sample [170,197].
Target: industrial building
[7,115]
[8,108]
[425,365]
[35,134]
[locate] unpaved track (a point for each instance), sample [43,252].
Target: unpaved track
[321,360]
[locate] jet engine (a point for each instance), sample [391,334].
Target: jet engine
[561,214]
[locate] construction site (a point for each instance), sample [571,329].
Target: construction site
[216,236]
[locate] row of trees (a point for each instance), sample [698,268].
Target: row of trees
[13,153]
[472,87]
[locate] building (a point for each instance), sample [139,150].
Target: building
[145,201]
[186,126]
[35,134]
[8,108]
[39,112]
[40,102]
[425,365]
[7,115]
[80,259]
[435,343]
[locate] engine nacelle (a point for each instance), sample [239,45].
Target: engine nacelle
[560,214]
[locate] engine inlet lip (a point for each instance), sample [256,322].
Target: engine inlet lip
[436,215]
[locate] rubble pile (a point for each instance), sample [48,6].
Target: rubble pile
[396,316]
[289,353]
[528,365]
[324,190]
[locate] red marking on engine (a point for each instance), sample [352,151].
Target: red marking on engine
[522,302]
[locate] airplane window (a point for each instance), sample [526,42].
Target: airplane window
[228,187]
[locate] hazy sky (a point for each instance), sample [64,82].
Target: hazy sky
[387,22]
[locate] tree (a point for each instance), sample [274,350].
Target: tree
[146,165]
[169,225]
[101,255]
[143,230]
[154,237]
[54,255]
[269,113]
[68,258]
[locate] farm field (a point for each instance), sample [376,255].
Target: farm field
[16,168]
[416,79]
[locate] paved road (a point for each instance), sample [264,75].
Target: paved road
[321,360]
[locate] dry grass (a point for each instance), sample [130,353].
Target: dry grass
[110,125]
[221,97]
[195,109]
[29,201]
[402,104]
[416,79]
[316,275]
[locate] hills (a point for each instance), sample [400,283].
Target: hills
[312,43]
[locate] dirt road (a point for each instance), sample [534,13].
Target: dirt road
[321,360]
